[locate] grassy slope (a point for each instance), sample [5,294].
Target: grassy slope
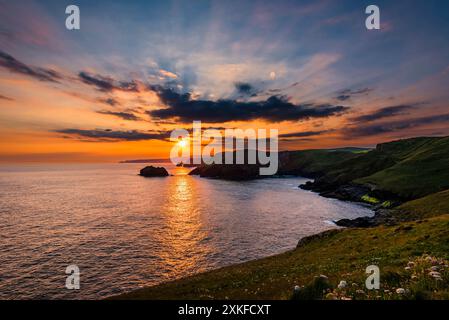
[408,169]
[422,169]
[342,256]
[430,206]
[315,162]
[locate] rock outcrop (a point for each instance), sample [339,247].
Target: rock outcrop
[151,171]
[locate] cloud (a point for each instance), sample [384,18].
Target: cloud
[15,66]
[107,84]
[244,88]
[388,127]
[349,93]
[302,134]
[384,113]
[2,97]
[110,101]
[104,135]
[168,74]
[273,109]
[124,115]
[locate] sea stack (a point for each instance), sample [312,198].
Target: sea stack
[151,171]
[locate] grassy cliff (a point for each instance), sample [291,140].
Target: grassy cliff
[401,170]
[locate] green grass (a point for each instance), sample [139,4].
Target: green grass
[313,162]
[421,168]
[430,206]
[366,198]
[400,170]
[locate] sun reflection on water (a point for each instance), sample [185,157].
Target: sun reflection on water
[185,237]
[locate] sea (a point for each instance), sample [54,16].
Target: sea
[123,231]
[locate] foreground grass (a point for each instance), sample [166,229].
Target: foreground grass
[340,255]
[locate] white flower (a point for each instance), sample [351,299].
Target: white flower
[342,284]
[407,268]
[410,264]
[297,288]
[400,291]
[435,274]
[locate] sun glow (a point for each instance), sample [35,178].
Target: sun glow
[182,143]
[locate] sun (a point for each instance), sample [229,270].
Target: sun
[182,143]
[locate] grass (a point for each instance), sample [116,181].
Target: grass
[371,200]
[401,170]
[421,168]
[430,206]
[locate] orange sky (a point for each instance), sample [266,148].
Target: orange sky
[95,97]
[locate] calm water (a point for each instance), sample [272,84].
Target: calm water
[125,231]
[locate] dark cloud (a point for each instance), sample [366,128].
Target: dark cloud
[110,101]
[111,135]
[107,84]
[2,97]
[302,134]
[273,109]
[245,89]
[123,115]
[349,93]
[42,74]
[388,127]
[384,113]
[343,97]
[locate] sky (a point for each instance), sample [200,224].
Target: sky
[136,70]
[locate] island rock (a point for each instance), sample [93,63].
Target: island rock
[151,171]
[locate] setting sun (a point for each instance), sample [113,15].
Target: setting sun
[182,143]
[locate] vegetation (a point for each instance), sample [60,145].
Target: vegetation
[399,170]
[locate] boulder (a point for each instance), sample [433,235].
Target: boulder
[151,171]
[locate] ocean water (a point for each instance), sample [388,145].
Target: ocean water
[124,231]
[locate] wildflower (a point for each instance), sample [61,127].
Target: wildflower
[434,268]
[360,292]
[410,264]
[297,289]
[407,268]
[342,284]
[400,291]
[435,274]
